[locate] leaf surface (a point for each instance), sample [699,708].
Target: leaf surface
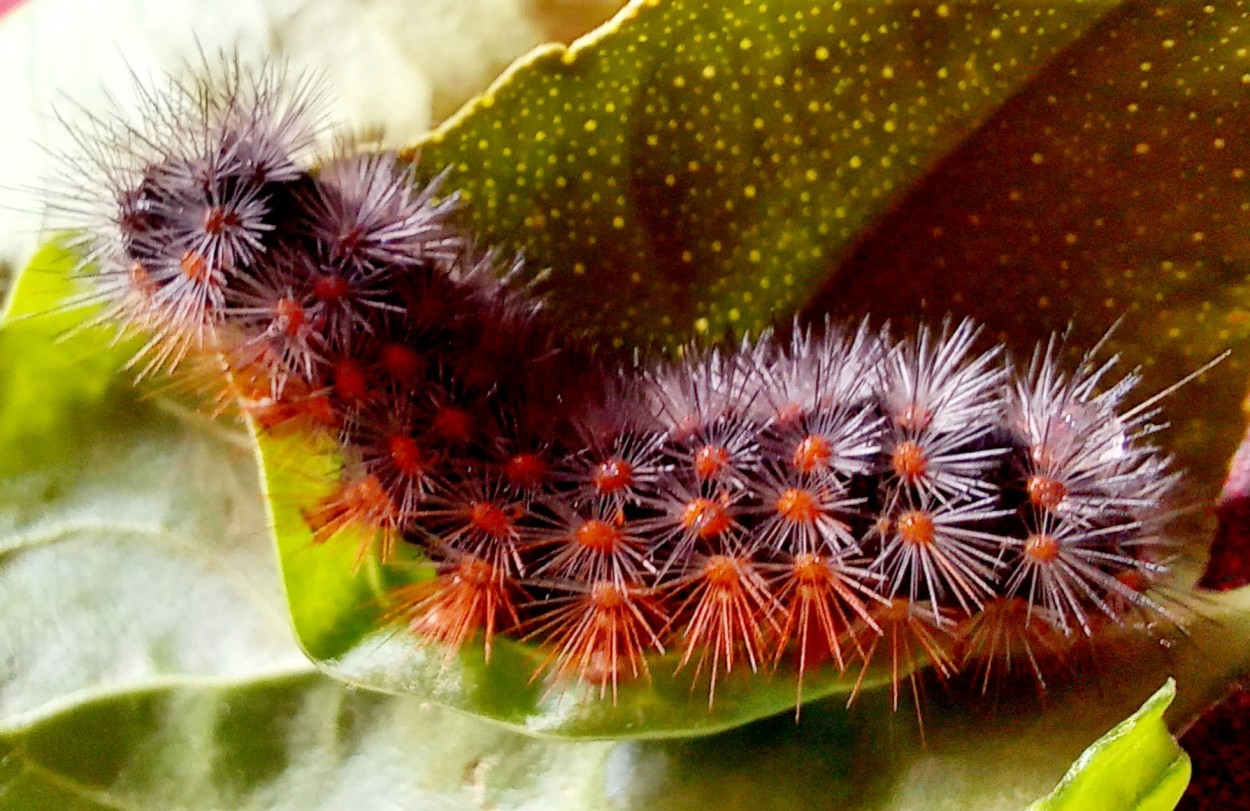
[1082,161]
[711,162]
[1137,765]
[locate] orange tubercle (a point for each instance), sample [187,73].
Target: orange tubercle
[612,476]
[812,454]
[909,461]
[798,506]
[1041,547]
[218,219]
[710,461]
[599,536]
[289,316]
[724,617]
[915,527]
[467,597]
[705,518]
[195,267]
[1045,492]
[602,637]
[818,610]
[363,504]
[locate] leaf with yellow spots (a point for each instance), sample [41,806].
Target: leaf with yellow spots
[1113,185]
[712,162]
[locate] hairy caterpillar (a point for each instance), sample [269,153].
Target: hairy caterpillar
[826,500]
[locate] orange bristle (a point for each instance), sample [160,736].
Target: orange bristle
[362,505]
[820,600]
[601,636]
[1006,631]
[465,598]
[723,617]
[912,637]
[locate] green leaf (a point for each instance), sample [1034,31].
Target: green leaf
[303,741]
[710,162]
[283,741]
[1138,765]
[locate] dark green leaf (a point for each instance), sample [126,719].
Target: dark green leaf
[711,162]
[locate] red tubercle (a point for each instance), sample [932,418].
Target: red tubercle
[527,471]
[612,476]
[407,455]
[350,382]
[296,409]
[220,219]
[454,425]
[591,542]
[492,520]
[478,518]
[331,287]
[401,363]
[319,410]
[386,439]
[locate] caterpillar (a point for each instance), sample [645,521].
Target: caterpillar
[825,499]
